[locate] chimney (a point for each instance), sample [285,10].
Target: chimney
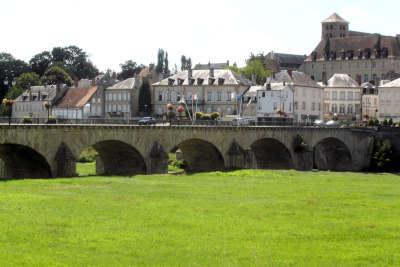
[190,73]
[211,73]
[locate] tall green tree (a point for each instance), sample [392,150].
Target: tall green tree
[10,68]
[41,62]
[186,62]
[56,75]
[160,61]
[129,69]
[22,83]
[254,70]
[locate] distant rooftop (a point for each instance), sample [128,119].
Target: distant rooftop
[334,18]
[395,83]
[215,66]
[125,84]
[342,80]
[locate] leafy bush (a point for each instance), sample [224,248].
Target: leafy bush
[198,115]
[298,144]
[206,117]
[390,122]
[27,119]
[88,155]
[52,119]
[214,115]
[382,156]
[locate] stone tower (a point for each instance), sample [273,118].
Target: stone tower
[334,27]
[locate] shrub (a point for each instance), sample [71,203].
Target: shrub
[382,156]
[215,115]
[298,144]
[390,122]
[27,119]
[198,115]
[206,117]
[376,122]
[88,155]
[52,119]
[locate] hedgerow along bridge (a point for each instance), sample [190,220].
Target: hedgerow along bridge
[45,151]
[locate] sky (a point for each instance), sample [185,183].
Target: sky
[112,32]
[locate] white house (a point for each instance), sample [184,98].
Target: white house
[76,104]
[291,95]
[389,99]
[342,98]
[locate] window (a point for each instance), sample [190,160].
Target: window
[350,109]
[219,94]
[366,78]
[334,108]
[169,96]
[349,95]
[342,95]
[209,96]
[229,96]
[342,108]
[334,95]
[326,95]
[319,106]
[275,106]
[263,94]
[295,105]
[160,97]
[313,106]
[304,105]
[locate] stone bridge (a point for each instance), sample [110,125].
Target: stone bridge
[51,150]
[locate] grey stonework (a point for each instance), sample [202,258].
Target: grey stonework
[51,150]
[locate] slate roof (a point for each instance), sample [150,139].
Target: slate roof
[342,80]
[297,78]
[395,83]
[229,77]
[125,84]
[215,66]
[286,58]
[334,18]
[359,42]
[76,97]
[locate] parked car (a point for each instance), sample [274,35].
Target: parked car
[147,121]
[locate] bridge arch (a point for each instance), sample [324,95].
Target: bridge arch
[271,154]
[332,154]
[201,155]
[118,158]
[21,161]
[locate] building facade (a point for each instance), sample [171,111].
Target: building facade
[122,99]
[342,98]
[389,98]
[291,94]
[364,56]
[200,90]
[76,104]
[31,103]
[370,101]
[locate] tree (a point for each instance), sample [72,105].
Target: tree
[56,75]
[145,97]
[41,62]
[255,70]
[9,69]
[160,61]
[22,83]
[186,62]
[129,69]
[166,64]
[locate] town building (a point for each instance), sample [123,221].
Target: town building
[389,98]
[215,66]
[280,61]
[76,104]
[370,101]
[206,90]
[342,98]
[122,99]
[248,107]
[31,103]
[290,95]
[364,56]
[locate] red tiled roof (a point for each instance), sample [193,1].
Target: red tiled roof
[76,97]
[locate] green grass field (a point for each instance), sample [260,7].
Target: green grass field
[241,218]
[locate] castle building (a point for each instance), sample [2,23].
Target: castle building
[364,56]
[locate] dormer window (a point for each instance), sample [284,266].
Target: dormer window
[211,81]
[34,97]
[221,81]
[200,81]
[171,81]
[191,81]
[385,52]
[24,97]
[350,54]
[342,54]
[43,97]
[180,81]
[367,53]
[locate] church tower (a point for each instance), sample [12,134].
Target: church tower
[334,27]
